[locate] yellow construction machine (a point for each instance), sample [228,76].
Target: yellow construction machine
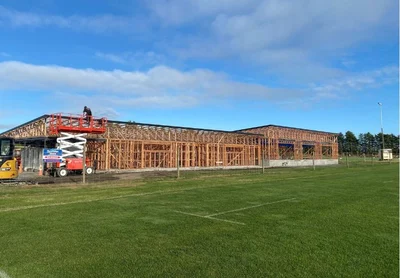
[8,162]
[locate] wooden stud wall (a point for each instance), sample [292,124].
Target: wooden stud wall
[133,154]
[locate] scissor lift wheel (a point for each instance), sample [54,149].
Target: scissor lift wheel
[62,172]
[89,171]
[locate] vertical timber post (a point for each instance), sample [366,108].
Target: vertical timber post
[107,166]
[262,161]
[269,152]
[347,161]
[313,159]
[177,161]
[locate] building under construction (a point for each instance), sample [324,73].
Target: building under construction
[131,145]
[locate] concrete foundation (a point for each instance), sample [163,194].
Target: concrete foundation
[273,163]
[300,163]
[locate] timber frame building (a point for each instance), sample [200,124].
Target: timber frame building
[131,145]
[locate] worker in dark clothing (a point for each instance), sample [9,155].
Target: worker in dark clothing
[87,113]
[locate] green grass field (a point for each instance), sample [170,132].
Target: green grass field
[331,222]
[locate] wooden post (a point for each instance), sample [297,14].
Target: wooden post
[142,155]
[181,154]
[313,159]
[170,155]
[262,161]
[224,156]
[119,155]
[198,155]
[269,151]
[217,155]
[187,153]
[107,154]
[177,161]
[347,161]
[207,154]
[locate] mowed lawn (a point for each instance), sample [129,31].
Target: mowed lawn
[331,222]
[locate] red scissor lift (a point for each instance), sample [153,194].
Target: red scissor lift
[76,124]
[73,130]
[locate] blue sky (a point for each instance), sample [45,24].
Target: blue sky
[209,64]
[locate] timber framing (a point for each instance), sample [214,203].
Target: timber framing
[296,143]
[131,145]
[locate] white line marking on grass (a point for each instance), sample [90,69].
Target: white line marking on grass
[388,181]
[305,177]
[256,206]
[161,192]
[209,217]
[89,201]
[3,274]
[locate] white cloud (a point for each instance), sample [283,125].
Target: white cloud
[294,38]
[290,39]
[165,87]
[111,57]
[338,88]
[348,63]
[177,12]
[137,59]
[260,24]
[158,86]
[74,102]
[97,23]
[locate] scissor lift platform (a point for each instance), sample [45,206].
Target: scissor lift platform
[76,124]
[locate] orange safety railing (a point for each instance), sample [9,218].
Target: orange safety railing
[76,123]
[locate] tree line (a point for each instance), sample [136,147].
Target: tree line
[366,143]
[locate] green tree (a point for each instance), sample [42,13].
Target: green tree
[367,143]
[370,143]
[378,139]
[351,142]
[392,142]
[341,143]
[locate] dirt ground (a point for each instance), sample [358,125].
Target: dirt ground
[34,178]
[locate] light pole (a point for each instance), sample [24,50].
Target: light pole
[383,140]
